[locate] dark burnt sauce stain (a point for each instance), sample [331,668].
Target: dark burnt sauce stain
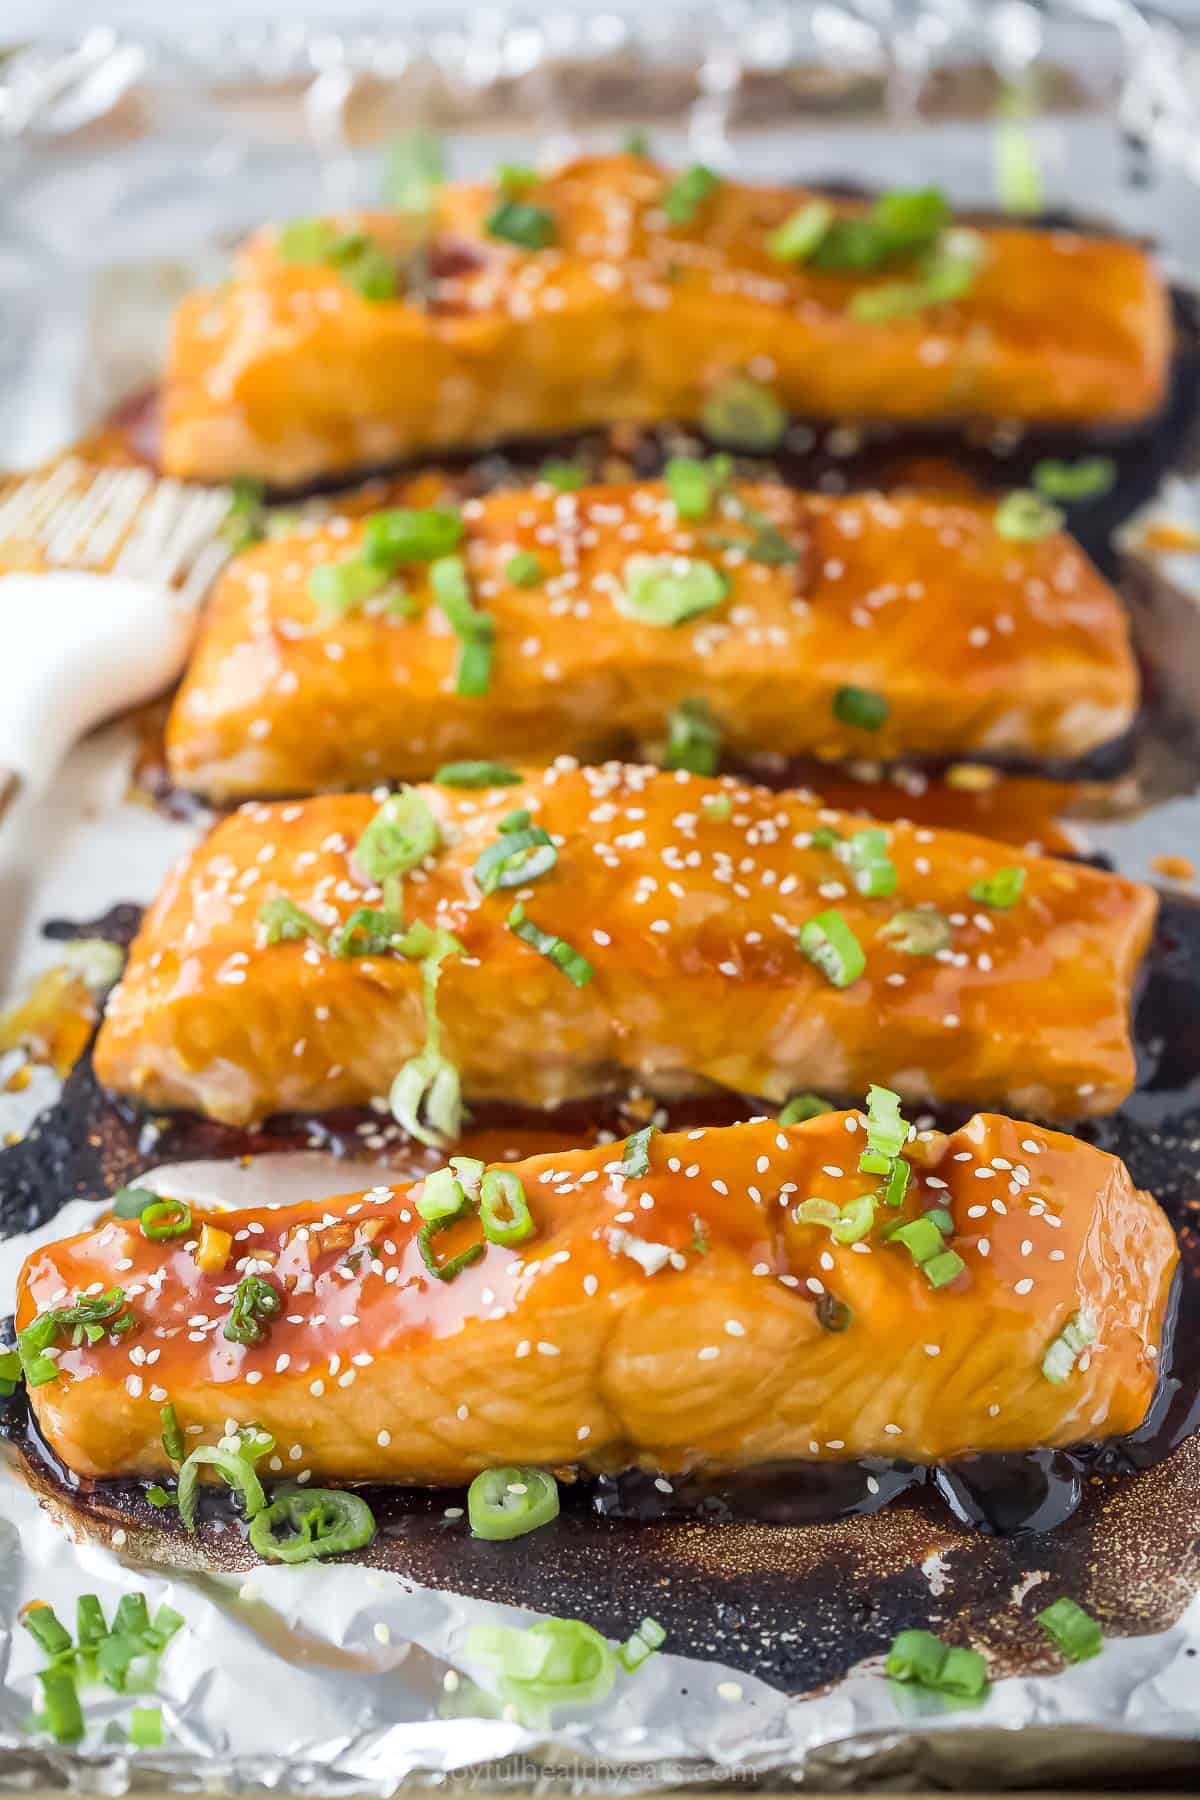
[791,1573]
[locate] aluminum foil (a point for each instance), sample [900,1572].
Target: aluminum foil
[127,168]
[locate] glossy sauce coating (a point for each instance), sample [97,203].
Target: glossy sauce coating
[288,373]
[690,923]
[671,1320]
[975,642]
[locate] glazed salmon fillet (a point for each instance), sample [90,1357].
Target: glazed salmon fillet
[965,640]
[687,911]
[684,1317]
[343,343]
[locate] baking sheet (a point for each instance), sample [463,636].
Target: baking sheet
[168,151]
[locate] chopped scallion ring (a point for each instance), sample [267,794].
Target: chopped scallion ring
[576,967]
[508,1503]
[1076,1336]
[803,1106]
[918,931]
[91,1316]
[503,1209]
[517,222]
[860,707]
[896,1185]
[1001,890]
[46,1629]
[517,857]
[1073,1630]
[400,836]
[90,1623]
[305,1524]
[517,179]
[172,1434]
[801,232]
[131,1202]
[166,1219]
[1085,480]
[744,415]
[255,1304]
[717,807]
[411,534]
[1024,517]
[563,477]
[641,1644]
[453,1267]
[340,587]
[817,1212]
[872,869]
[669,590]
[553,1662]
[10,1373]
[476,775]
[414,170]
[687,194]
[856,1221]
[60,1699]
[524,569]
[475,630]
[635,1159]
[283,922]
[426,1099]
[947,273]
[441,1195]
[694,484]
[829,943]
[693,739]
[887,1131]
[366,932]
[236,1470]
[921,1658]
[146,1727]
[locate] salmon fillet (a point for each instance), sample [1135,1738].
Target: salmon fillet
[974,642]
[288,372]
[686,896]
[673,1320]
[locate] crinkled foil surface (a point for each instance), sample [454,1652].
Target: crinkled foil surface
[127,169]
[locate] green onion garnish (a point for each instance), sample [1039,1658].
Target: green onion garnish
[305,240]
[1073,1630]
[825,838]
[308,1523]
[865,855]
[255,1304]
[524,569]
[1023,517]
[10,1373]
[400,836]
[283,922]
[517,222]
[901,223]
[817,1212]
[803,1106]
[801,232]
[340,587]
[857,1220]
[921,1238]
[411,534]
[693,739]
[860,707]
[918,931]
[476,775]
[517,179]
[576,967]
[60,1698]
[46,1629]
[667,590]
[637,143]
[694,484]
[508,1503]
[90,1623]
[146,1727]
[246,521]
[441,1195]
[236,1469]
[921,1658]
[563,477]
[896,1185]
[641,1644]
[635,1159]
[1001,890]
[474,630]
[90,1317]
[517,857]
[1085,480]
[1075,1337]
[887,1131]
[744,415]
[717,807]
[687,194]
[454,1265]
[503,1209]
[366,932]
[414,169]
[131,1202]
[1019,184]
[551,1663]
[158,1496]
[829,942]
[426,1095]
[367,267]
[166,1219]
[947,273]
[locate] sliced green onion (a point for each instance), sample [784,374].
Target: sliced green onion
[856,1220]
[515,858]
[305,1524]
[693,739]
[920,1238]
[551,1663]
[519,819]
[641,1644]
[146,1727]
[342,586]
[366,266]
[860,707]
[476,775]
[1023,517]
[517,179]
[255,1303]
[829,942]
[667,590]
[524,569]
[441,1196]
[10,1373]
[508,1503]
[1075,1337]
[414,170]
[687,194]
[767,544]
[517,222]
[131,1202]
[474,630]
[246,521]
[160,1497]
[563,477]
[694,484]
[817,1212]
[1019,184]
[902,222]
[921,1658]
[803,1106]
[237,1472]
[283,922]
[132,1618]
[503,1209]
[635,1159]
[305,240]
[454,1265]
[896,1185]
[801,232]
[42,1333]
[46,1629]
[941,1270]
[1085,480]
[1001,890]
[400,836]
[744,415]
[366,932]
[865,855]
[637,143]
[717,807]
[887,1131]
[825,838]
[411,534]
[426,1095]
[946,274]
[576,967]
[918,931]
[166,1219]
[1073,1630]
[60,1698]
[90,1623]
